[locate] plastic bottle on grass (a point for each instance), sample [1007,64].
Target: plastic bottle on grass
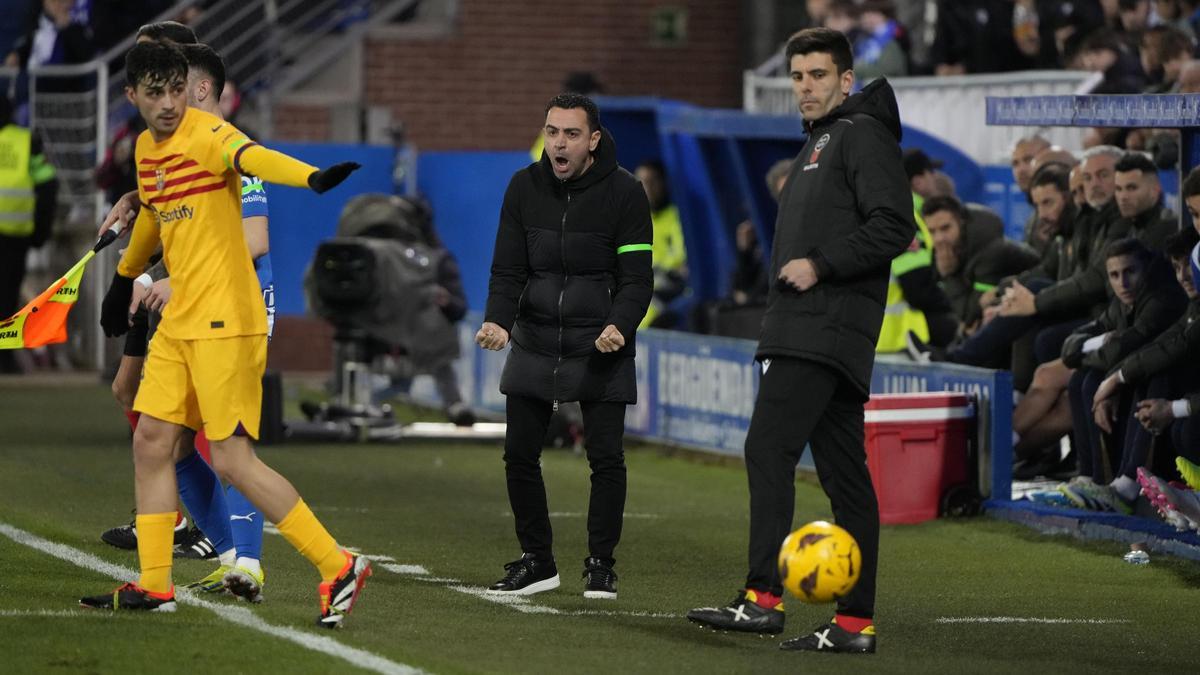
[1137,555]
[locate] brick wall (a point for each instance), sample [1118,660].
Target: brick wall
[484,85]
[302,123]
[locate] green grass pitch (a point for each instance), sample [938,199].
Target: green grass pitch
[438,518]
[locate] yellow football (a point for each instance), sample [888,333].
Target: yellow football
[819,562]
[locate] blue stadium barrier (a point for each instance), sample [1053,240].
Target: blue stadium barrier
[301,219]
[716,162]
[698,391]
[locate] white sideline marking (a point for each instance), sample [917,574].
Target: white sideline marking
[581,514]
[238,615]
[1023,619]
[415,570]
[521,603]
[68,613]
[518,602]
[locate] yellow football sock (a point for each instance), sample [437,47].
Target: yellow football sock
[156,539]
[303,531]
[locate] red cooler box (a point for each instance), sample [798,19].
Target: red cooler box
[916,451]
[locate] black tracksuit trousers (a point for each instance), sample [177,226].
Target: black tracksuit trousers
[801,401]
[603,436]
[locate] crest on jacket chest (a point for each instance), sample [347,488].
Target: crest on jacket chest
[816,153]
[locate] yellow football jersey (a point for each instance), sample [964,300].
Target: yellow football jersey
[190,190]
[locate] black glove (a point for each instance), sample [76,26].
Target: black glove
[323,180]
[114,311]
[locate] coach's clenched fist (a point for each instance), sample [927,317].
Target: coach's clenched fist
[491,336]
[610,340]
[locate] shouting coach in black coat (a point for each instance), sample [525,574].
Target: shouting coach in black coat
[844,213]
[570,282]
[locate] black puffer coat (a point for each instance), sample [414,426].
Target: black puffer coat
[847,207]
[571,257]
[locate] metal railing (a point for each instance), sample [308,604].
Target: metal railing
[268,45]
[951,108]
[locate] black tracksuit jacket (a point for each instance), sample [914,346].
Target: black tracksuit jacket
[847,207]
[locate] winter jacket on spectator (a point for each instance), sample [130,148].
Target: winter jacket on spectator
[1089,287]
[977,34]
[1178,346]
[987,259]
[847,207]
[1158,304]
[571,257]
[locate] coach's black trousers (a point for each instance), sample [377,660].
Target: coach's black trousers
[799,402]
[603,436]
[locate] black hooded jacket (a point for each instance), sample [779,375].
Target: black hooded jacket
[1159,303]
[846,207]
[571,257]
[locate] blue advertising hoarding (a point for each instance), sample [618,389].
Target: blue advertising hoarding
[698,391]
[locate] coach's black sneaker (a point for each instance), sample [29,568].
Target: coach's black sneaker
[601,579]
[132,596]
[743,614]
[526,575]
[194,545]
[831,638]
[125,536]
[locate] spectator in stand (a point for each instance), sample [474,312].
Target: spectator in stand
[970,257]
[1175,14]
[1061,311]
[1063,24]
[842,16]
[1189,78]
[28,197]
[750,283]
[881,49]
[816,11]
[1157,374]
[976,36]
[117,174]
[1108,52]
[1164,51]
[1078,193]
[740,314]
[52,36]
[1135,16]
[915,304]
[1025,150]
[669,255]
[1147,300]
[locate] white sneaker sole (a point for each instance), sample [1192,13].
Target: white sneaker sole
[600,595]
[536,587]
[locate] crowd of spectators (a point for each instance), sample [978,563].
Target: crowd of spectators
[1094,314]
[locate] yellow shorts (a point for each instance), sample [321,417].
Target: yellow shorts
[211,384]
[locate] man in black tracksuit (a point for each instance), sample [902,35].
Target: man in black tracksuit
[845,212]
[570,282]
